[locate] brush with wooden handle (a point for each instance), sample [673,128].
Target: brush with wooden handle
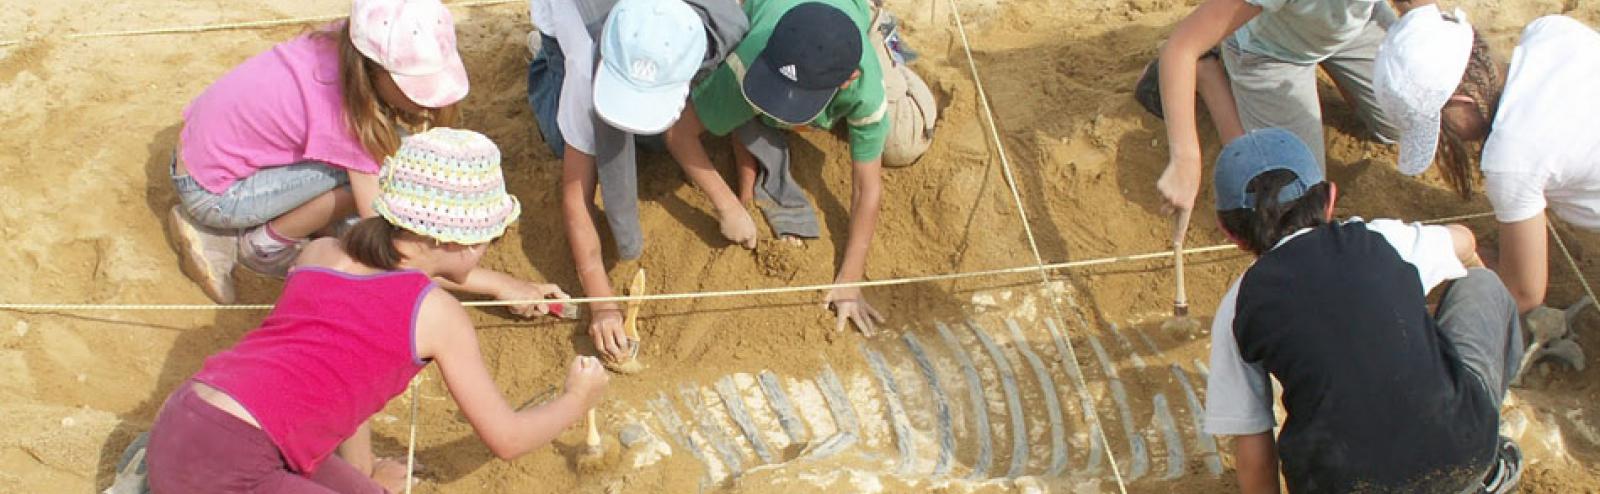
[592,457]
[1180,320]
[630,325]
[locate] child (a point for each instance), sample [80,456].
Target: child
[1267,75]
[1535,125]
[288,143]
[649,50]
[358,318]
[802,63]
[1381,396]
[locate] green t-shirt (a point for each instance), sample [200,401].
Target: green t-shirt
[719,99]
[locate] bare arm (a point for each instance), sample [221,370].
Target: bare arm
[865,198]
[501,286]
[1466,245]
[1203,29]
[1255,462]
[1524,260]
[848,304]
[445,334]
[364,186]
[578,177]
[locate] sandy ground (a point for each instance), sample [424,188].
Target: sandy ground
[89,125]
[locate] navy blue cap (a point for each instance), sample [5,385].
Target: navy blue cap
[1258,152]
[812,51]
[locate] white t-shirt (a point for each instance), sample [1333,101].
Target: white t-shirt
[574,23]
[1544,150]
[1238,396]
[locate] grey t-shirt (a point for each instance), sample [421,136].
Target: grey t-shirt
[1309,31]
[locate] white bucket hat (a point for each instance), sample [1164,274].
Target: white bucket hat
[1418,67]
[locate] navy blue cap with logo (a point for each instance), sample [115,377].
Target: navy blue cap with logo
[814,48]
[1258,152]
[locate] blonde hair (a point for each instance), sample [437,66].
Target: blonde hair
[370,119]
[1484,80]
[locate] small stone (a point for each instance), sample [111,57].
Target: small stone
[22,328]
[68,422]
[83,378]
[632,435]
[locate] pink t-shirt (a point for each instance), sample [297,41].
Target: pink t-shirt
[278,108]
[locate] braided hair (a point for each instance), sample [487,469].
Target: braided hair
[1484,80]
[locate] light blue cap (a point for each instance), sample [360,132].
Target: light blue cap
[649,51]
[1258,152]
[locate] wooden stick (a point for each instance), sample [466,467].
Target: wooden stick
[1180,228]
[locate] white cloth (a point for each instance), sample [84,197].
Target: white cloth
[562,20]
[1544,150]
[1238,395]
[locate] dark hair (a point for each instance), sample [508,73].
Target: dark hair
[371,242]
[1261,228]
[1483,82]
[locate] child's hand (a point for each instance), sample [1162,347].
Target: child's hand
[586,381]
[531,291]
[1178,185]
[850,307]
[609,336]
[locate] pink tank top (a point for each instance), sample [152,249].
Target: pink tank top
[333,351]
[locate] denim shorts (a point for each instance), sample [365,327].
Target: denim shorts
[254,200]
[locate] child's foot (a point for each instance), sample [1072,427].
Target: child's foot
[274,263]
[206,255]
[737,227]
[792,241]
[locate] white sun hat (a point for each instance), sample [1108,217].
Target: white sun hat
[1419,65]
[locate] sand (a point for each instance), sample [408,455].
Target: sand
[90,124]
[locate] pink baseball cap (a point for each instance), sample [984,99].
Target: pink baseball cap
[415,40]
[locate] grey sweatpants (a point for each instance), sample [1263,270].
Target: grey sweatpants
[1274,93]
[1478,318]
[786,207]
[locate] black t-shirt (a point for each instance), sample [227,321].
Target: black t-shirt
[1377,401]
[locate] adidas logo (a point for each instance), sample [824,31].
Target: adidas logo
[788,71]
[642,71]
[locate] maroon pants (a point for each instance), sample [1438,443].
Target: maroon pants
[196,447]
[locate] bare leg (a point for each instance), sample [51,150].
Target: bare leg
[1211,82]
[316,214]
[745,164]
[683,141]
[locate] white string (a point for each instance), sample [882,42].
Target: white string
[1033,243]
[1060,266]
[242,25]
[1570,260]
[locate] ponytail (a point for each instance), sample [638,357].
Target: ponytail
[1483,81]
[1261,228]
[371,242]
[376,125]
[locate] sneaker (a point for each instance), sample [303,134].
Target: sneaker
[206,255]
[276,264]
[1148,90]
[132,475]
[1506,472]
